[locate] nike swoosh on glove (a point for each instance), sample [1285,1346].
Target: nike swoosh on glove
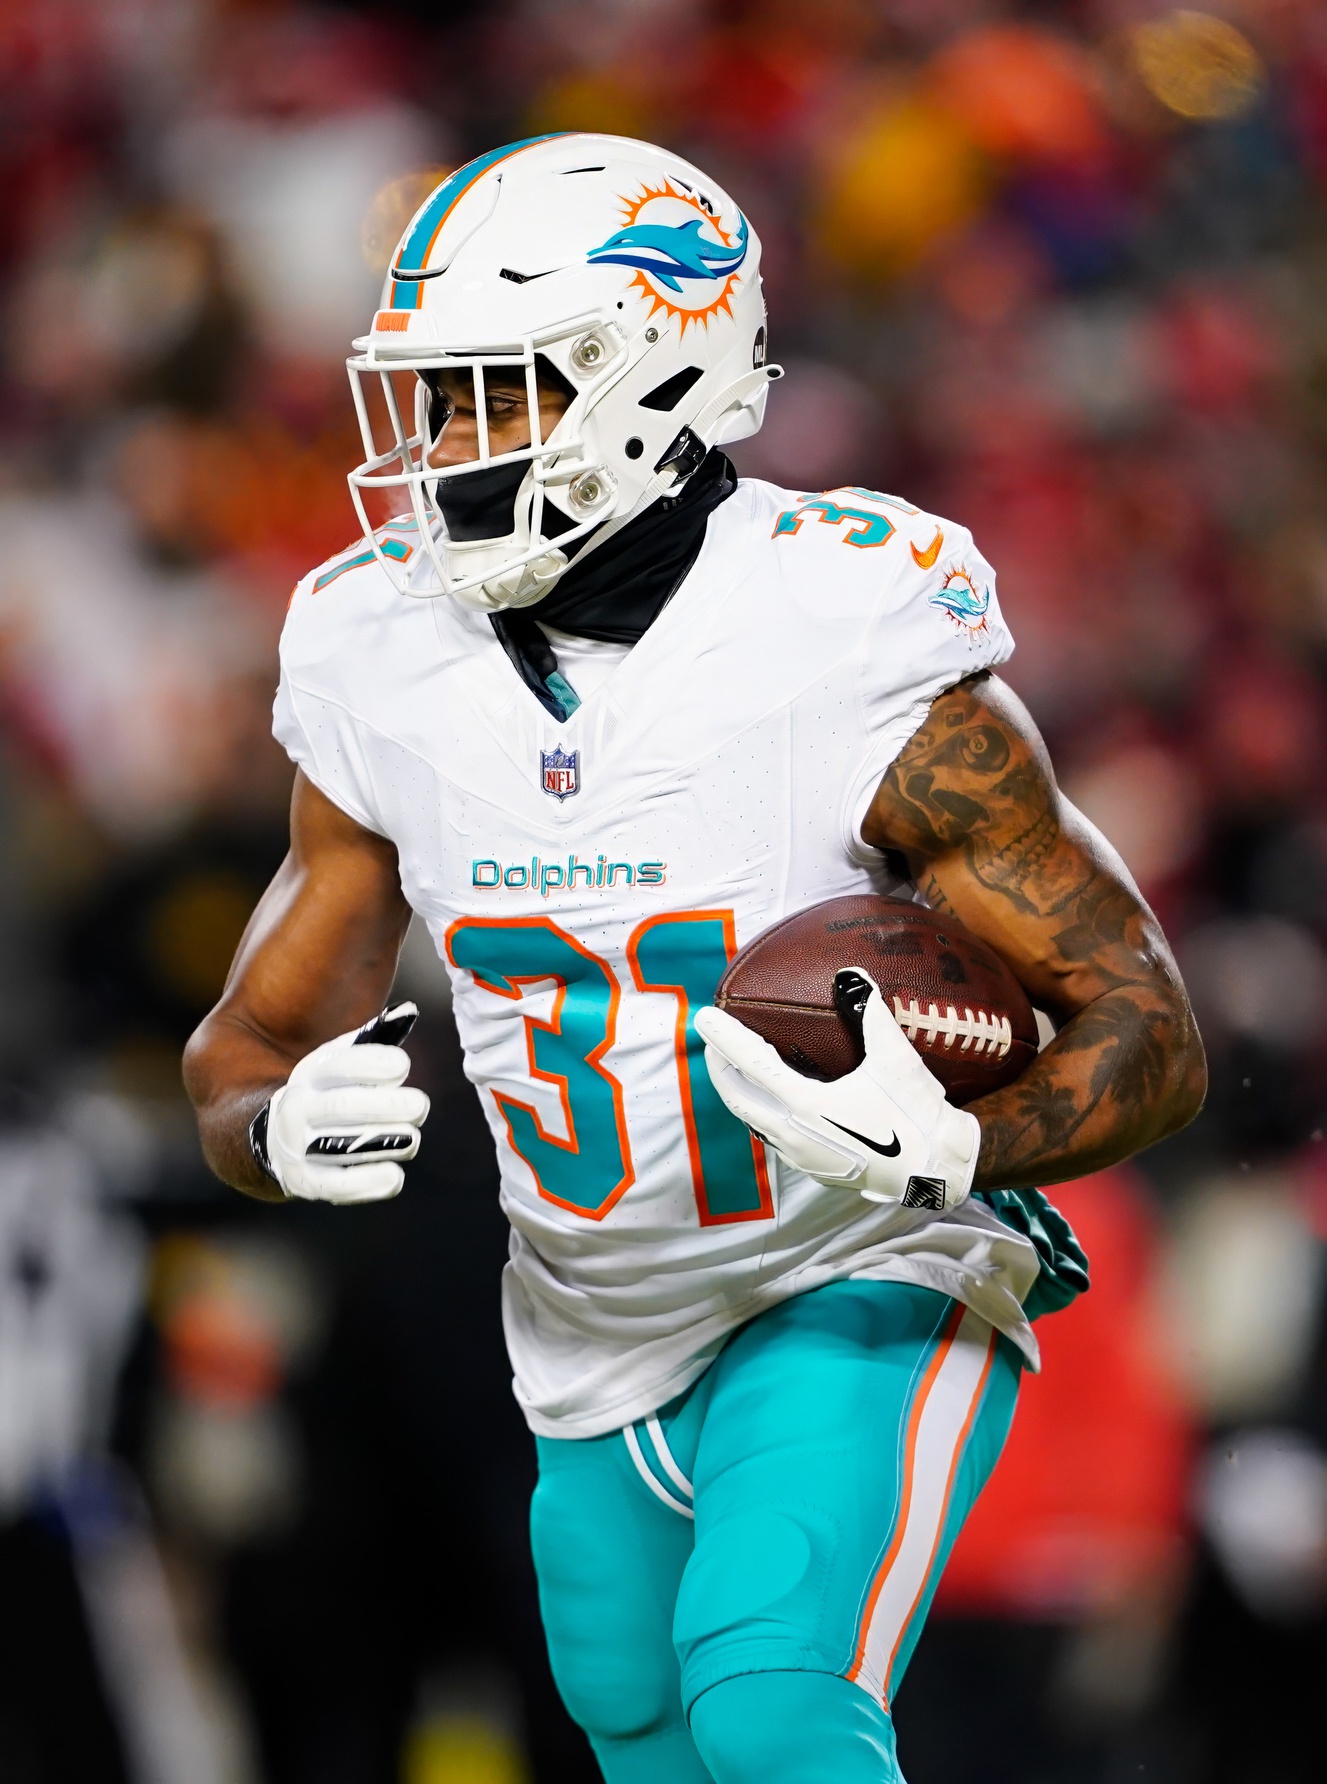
[885,1130]
[344,1122]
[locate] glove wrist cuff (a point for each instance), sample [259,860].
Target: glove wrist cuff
[258,1142]
[954,1156]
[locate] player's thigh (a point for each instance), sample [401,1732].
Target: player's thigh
[609,1558]
[846,1435]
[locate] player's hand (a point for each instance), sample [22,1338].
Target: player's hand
[344,1122]
[886,1129]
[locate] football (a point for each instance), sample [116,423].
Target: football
[954,998]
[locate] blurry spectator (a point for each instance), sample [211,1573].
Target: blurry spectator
[69,1296]
[1054,271]
[819,434]
[1060,1599]
[93,1681]
[297,129]
[236,1319]
[119,646]
[145,312]
[1249,1285]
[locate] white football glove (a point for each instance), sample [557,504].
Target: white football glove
[344,1123]
[885,1130]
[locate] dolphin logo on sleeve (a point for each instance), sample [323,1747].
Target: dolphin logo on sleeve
[962,600]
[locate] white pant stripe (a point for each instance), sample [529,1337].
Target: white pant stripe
[647,1474]
[938,1425]
[667,1460]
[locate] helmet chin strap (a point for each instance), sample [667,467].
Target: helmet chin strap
[529,583]
[525,585]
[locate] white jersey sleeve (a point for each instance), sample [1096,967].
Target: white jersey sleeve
[940,622]
[325,621]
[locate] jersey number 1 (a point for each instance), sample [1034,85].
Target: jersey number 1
[681,955]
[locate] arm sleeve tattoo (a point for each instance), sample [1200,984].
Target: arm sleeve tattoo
[972,804]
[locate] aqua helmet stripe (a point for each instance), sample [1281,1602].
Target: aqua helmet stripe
[408,294]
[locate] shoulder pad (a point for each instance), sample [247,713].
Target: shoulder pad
[396,541]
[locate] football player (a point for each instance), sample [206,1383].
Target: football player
[599,712]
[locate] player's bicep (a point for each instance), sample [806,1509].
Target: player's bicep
[1071,925]
[320,951]
[972,804]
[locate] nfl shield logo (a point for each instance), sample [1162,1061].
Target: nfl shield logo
[560,771]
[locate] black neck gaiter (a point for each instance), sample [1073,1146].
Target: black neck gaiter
[621,588]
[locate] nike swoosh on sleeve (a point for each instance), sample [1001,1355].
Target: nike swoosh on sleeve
[924,559]
[891,1151]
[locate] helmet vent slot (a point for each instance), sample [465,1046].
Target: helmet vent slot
[669,394]
[566,171]
[522,278]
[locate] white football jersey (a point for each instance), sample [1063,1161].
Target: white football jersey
[587,882]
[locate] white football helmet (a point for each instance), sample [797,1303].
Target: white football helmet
[624,269]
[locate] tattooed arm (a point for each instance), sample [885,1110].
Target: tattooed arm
[972,805]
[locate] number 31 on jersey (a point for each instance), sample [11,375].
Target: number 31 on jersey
[681,955]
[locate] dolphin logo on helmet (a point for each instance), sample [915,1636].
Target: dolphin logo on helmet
[672,252]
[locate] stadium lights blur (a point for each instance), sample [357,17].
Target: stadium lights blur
[1198,66]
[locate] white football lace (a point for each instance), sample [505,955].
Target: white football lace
[979,1033]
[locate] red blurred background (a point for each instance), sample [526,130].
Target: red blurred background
[1057,270]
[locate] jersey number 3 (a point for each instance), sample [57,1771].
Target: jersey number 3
[682,956]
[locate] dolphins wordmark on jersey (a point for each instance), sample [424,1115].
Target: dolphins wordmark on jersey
[711,784]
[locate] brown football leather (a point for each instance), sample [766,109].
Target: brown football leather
[956,1000]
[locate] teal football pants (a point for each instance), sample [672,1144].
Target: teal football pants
[732,1589]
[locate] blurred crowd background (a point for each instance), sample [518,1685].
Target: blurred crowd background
[1059,271]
